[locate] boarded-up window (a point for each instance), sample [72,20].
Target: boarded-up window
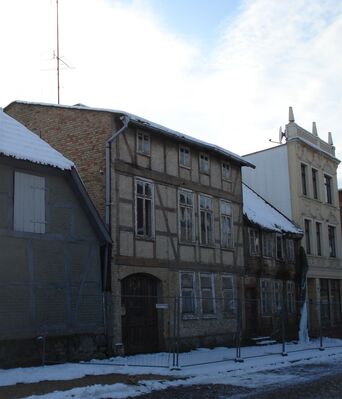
[207,293]
[29,203]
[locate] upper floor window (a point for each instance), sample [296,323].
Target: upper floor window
[328,189]
[307,234]
[29,203]
[303,170]
[279,247]
[204,163]
[314,183]
[225,171]
[186,216]
[254,241]
[187,283]
[144,204]
[206,220]
[319,238]
[332,241]
[289,247]
[207,293]
[143,143]
[184,156]
[226,224]
[268,245]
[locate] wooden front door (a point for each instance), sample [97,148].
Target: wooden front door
[139,319]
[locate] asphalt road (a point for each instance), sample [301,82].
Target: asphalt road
[317,382]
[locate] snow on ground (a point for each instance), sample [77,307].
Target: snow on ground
[257,369]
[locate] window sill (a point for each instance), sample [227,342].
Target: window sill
[209,246]
[144,154]
[189,317]
[230,249]
[188,243]
[185,167]
[208,316]
[202,172]
[141,238]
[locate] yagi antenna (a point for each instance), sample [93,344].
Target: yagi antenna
[281,136]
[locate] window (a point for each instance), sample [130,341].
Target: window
[319,238]
[279,247]
[207,294]
[325,301]
[188,304]
[290,291]
[328,189]
[303,170]
[206,220]
[204,163]
[278,295]
[289,247]
[336,300]
[307,233]
[229,305]
[226,224]
[186,216]
[225,171]
[314,183]
[143,143]
[266,297]
[29,203]
[332,241]
[184,156]
[268,245]
[254,246]
[144,208]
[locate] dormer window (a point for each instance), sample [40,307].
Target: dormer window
[184,156]
[143,143]
[204,163]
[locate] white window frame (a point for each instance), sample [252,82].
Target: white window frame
[204,162]
[211,294]
[143,143]
[266,297]
[268,244]
[144,235]
[254,241]
[224,217]
[29,203]
[184,156]
[192,290]
[207,241]
[290,296]
[232,306]
[191,238]
[277,295]
[226,170]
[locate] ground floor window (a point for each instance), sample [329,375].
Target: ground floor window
[229,305]
[291,297]
[188,304]
[266,297]
[207,294]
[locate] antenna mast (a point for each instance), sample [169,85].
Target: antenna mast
[57,54]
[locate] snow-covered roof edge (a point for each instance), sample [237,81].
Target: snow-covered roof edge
[151,125]
[262,213]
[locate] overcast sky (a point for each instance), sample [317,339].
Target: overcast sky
[225,71]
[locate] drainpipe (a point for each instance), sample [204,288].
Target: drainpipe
[108,203]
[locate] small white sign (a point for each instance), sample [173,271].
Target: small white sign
[162,305]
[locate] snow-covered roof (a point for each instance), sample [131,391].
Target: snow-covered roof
[19,142]
[260,212]
[154,126]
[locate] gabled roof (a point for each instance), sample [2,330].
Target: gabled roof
[144,123]
[19,142]
[260,212]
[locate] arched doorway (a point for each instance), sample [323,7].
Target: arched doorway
[139,319]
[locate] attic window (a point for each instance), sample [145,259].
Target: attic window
[143,143]
[184,156]
[225,171]
[204,163]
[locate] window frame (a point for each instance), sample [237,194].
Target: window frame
[212,291]
[225,216]
[209,242]
[144,236]
[192,239]
[315,183]
[181,149]
[332,248]
[204,156]
[277,295]
[304,178]
[319,242]
[142,150]
[308,237]
[193,314]
[291,296]
[266,297]
[256,241]
[231,313]
[226,166]
[268,243]
[328,188]
[29,203]
[279,254]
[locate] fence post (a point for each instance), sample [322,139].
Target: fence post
[238,358]
[321,348]
[283,337]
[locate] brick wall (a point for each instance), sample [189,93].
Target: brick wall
[79,134]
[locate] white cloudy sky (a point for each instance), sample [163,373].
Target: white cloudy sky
[222,70]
